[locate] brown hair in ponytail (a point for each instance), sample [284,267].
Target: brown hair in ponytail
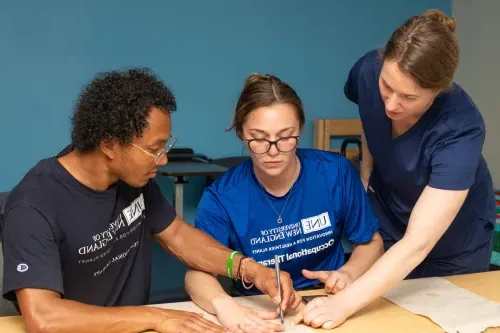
[426,48]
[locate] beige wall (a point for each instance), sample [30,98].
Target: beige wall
[478,31]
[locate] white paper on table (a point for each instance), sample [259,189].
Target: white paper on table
[453,308]
[256,302]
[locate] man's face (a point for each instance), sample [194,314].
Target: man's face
[138,162]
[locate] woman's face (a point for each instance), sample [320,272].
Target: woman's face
[277,123]
[404,99]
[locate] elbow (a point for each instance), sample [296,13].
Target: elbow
[38,324]
[40,319]
[419,246]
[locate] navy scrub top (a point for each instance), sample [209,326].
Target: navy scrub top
[442,150]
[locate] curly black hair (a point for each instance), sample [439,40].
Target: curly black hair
[115,106]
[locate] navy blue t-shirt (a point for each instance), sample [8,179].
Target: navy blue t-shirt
[326,202]
[90,246]
[442,150]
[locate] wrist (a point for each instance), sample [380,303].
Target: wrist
[350,301]
[347,271]
[223,303]
[233,262]
[251,270]
[155,317]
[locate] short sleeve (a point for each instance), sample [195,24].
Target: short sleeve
[455,159]
[31,253]
[161,213]
[351,85]
[211,217]
[360,223]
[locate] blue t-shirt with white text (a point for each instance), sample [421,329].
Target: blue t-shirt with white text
[326,202]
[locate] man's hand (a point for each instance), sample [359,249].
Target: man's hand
[45,311]
[174,321]
[264,279]
[334,281]
[239,319]
[324,312]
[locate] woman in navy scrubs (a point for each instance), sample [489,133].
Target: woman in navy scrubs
[422,166]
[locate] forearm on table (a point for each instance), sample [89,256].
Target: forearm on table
[432,215]
[205,290]
[394,265]
[201,252]
[363,256]
[61,316]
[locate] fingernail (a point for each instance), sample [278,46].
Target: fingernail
[277,299]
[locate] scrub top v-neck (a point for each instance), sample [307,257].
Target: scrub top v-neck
[442,150]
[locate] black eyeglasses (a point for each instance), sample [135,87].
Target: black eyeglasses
[262,146]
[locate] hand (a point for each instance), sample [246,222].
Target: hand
[174,321]
[334,281]
[240,319]
[325,312]
[264,279]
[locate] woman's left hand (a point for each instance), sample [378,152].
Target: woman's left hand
[324,312]
[334,281]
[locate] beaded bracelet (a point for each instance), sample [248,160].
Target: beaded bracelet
[244,279]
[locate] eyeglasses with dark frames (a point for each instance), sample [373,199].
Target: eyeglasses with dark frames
[261,146]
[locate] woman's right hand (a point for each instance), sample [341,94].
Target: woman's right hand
[240,319]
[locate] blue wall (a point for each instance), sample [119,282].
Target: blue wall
[202,49]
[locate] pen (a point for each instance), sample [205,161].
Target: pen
[277,267]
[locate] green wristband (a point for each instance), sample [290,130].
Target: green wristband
[230,264]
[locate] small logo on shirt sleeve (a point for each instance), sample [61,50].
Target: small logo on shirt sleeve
[22,268]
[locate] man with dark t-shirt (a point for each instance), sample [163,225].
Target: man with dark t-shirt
[79,226]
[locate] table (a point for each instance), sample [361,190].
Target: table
[181,170]
[379,316]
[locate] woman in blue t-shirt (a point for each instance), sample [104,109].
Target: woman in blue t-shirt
[422,166]
[293,203]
